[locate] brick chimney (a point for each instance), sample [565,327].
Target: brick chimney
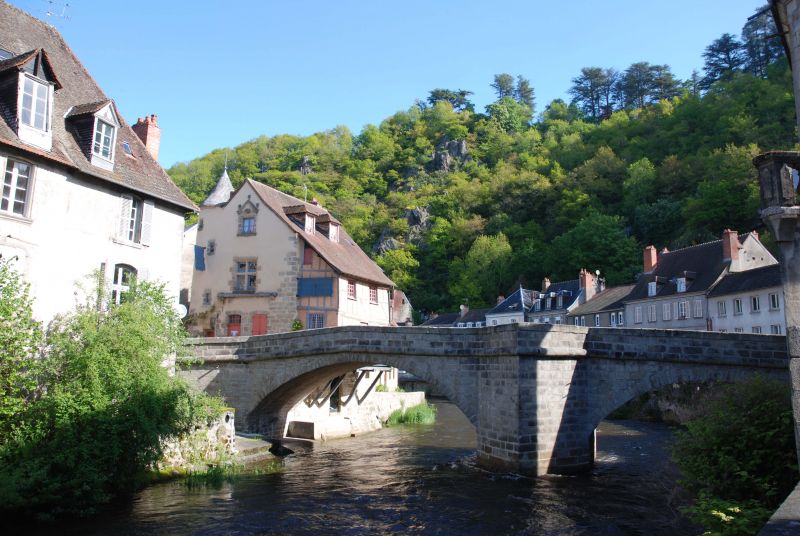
[464,310]
[545,284]
[500,299]
[148,131]
[650,259]
[587,284]
[730,248]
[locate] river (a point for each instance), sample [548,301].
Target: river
[420,480]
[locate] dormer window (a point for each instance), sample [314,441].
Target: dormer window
[311,223]
[248,211]
[681,284]
[104,135]
[651,288]
[35,105]
[333,232]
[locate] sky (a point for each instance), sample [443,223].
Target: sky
[219,73]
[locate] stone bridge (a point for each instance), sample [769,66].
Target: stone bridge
[535,393]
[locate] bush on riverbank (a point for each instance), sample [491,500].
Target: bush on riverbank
[420,414]
[739,458]
[107,402]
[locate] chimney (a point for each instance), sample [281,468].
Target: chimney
[500,299]
[545,284]
[730,248]
[650,259]
[587,284]
[464,310]
[148,131]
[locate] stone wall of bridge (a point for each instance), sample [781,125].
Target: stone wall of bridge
[535,393]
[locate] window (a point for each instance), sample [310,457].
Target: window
[666,311]
[675,310]
[245,275]
[537,306]
[136,218]
[577,321]
[207,297]
[308,255]
[737,306]
[311,223]
[755,304]
[234,325]
[373,295]
[470,324]
[212,247]
[738,330]
[260,324]
[248,225]
[547,303]
[774,301]
[681,284]
[35,104]
[103,145]
[557,320]
[351,290]
[333,232]
[315,320]
[560,302]
[200,224]
[637,314]
[775,329]
[682,306]
[596,320]
[756,329]
[651,288]
[494,322]
[620,318]
[123,277]
[651,313]
[612,319]
[721,308]
[698,309]
[16,188]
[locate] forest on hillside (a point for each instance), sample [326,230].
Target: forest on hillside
[458,205]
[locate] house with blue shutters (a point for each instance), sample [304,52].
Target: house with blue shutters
[264,259]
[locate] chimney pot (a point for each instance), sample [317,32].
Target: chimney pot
[545,284]
[149,132]
[650,259]
[730,245]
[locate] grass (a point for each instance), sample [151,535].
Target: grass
[420,414]
[217,475]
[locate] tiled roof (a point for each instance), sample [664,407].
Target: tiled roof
[702,265]
[758,278]
[343,256]
[610,298]
[88,108]
[22,33]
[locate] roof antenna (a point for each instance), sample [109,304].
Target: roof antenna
[226,161]
[51,11]
[305,193]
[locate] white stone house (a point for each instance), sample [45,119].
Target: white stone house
[265,258]
[748,302]
[672,293]
[81,191]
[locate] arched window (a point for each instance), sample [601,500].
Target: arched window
[123,277]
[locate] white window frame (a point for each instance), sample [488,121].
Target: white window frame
[373,296]
[121,281]
[756,330]
[136,220]
[315,321]
[774,301]
[612,319]
[683,305]
[738,330]
[351,290]
[560,302]
[755,304]
[775,329]
[310,223]
[106,142]
[737,306]
[651,288]
[637,314]
[652,312]
[35,100]
[597,321]
[245,275]
[620,318]
[697,308]
[576,321]
[680,283]
[10,188]
[666,311]
[722,308]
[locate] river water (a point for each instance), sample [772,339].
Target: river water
[421,480]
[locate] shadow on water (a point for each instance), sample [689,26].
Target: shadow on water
[420,480]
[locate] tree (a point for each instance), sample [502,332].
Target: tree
[762,47]
[20,341]
[665,85]
[586,92]
[510,115]
[484,272]
[503,85]
[723,58]
[458,99]
[642,84]
[523,92]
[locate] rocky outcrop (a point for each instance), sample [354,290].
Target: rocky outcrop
[305,166]
[449,155]
[419,222]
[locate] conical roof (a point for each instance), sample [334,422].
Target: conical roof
[221,192]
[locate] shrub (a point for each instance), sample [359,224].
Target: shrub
[420,414]
[108,403]
[740,454]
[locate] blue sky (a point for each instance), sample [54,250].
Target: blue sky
[220,73]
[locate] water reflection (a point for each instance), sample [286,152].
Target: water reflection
[422,480]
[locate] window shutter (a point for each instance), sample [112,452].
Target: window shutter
[124,216]
[147,222]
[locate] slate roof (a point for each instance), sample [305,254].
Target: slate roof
[443,320]
[447,320]
[702,265]
[344,256]
[573,287]
[221,192]
[21,33]
[518,301]
[758,278]
[607,300]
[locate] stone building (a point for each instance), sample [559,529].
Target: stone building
[606,309]
[81,191]
[672,291]
[748,302]
[557,300]
[265,259]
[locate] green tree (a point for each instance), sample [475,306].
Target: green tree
[20,343]
[761,45]
[484,272]
[458,99]
[400,265]
[510,115]
[503,85]
[524,93]
[593,92]
[723,58]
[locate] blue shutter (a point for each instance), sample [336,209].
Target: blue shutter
[315,286]
[199,258]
